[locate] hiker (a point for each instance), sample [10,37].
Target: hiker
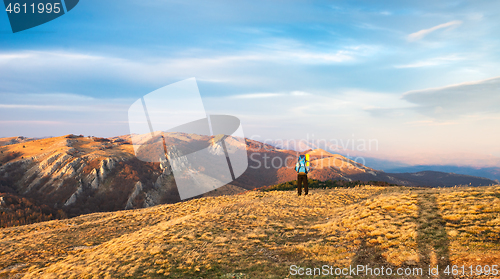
[302,168]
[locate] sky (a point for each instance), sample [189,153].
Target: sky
[421,78]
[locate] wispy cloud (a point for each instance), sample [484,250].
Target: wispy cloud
[450,102]
[62,102]
[58,55]
[300,93]
[34,122]
[269,95]
[257,95]
[436,61]
[291,52]
[310,57]
[430,123]
[67,108]
[60,113]
[35,69]
[424,32]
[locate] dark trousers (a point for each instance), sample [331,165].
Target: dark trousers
[302,178]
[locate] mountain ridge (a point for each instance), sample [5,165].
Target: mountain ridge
[89,174]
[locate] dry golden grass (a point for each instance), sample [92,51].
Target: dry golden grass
[260,234]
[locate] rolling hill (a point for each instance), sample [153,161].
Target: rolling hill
[268,235]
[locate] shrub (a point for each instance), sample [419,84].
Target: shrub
[312,184]
[102,140]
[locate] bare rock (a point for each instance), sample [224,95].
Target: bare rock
[75,195]
[137,190]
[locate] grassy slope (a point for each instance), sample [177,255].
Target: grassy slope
[45,146]
[260,234]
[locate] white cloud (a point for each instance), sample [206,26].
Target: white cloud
[452,101]
[424,32]
[300,93]
[33,122]
[70,108]
[60,113]
[271,53]
[34,69]
[317,57]
[212,80]
[430,123]
[60,102]
[432,62]
[26,56]
[257,95]
[269,95]
[5,57]
[317,106]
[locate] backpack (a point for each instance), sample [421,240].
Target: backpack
[302,165]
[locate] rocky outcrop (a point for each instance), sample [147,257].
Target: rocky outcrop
[107,165]
[137,190]
[55,163]
[164,189]
[93,179]
[75,195]
[98,175]
[55,166]
[149,200]
[177,160]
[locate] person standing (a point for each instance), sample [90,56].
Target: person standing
[302,167]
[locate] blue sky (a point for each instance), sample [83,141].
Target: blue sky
[420,77]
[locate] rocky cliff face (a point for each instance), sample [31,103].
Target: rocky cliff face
[81,175]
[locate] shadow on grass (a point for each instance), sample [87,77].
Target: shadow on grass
[372,260]
[432,245]
[432,240]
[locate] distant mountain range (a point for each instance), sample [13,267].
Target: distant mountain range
[490,173]
[80,175]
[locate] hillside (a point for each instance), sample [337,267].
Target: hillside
[14,140]
[15,211]
[261,234]
[80,175]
